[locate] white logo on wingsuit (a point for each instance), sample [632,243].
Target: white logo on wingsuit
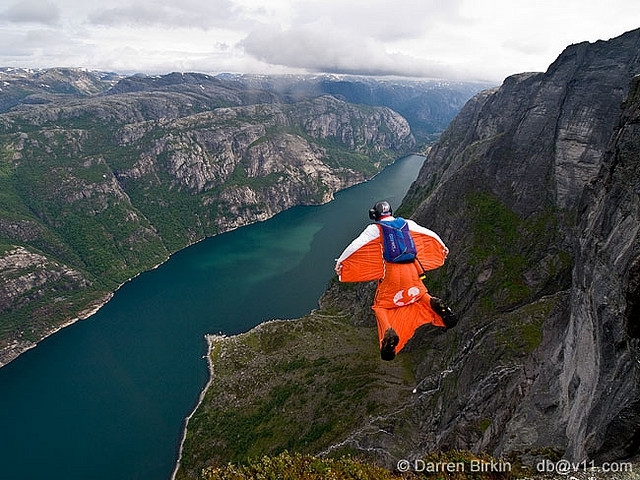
[400,300]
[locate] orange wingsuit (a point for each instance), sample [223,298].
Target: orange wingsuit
[401,301]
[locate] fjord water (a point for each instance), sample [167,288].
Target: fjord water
[106,398]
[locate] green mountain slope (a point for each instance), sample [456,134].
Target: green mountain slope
[98,187]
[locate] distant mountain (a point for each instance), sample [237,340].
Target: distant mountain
[428,105]
[534,188]
[103,176]
[25,86]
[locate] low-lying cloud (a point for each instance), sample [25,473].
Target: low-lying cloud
[319,48]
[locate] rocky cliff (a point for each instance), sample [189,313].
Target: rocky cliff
[102,178]
[591,362]
[534,187]
[541,269]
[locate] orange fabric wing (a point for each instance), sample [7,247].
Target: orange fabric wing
[431,251]
[364,264]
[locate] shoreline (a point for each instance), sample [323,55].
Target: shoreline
[85,314]
[13,349]
[211,339]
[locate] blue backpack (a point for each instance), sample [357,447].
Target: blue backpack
[399,246]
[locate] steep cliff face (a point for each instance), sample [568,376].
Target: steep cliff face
[598,380]
[238,159]
[100,184]
[543,275]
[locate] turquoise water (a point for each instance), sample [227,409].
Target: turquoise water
[106,398]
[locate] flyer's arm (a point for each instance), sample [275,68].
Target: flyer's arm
[362,260]
[432,251]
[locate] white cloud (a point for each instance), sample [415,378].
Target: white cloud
[486,39]
[32,11]
[320,48]
[380,19]
[353,37]
[165,13]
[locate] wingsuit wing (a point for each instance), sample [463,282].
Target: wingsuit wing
[432,251]
[362,260]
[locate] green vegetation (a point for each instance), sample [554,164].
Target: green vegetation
[290,386]
[454,465]
[288,466]
[110,186]
[306,385]
[521,329]
[510,249]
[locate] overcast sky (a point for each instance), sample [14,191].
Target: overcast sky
[452,39]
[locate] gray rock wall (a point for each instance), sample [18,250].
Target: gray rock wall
[534,187]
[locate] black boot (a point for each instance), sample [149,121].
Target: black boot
[389,344]
[449,318]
